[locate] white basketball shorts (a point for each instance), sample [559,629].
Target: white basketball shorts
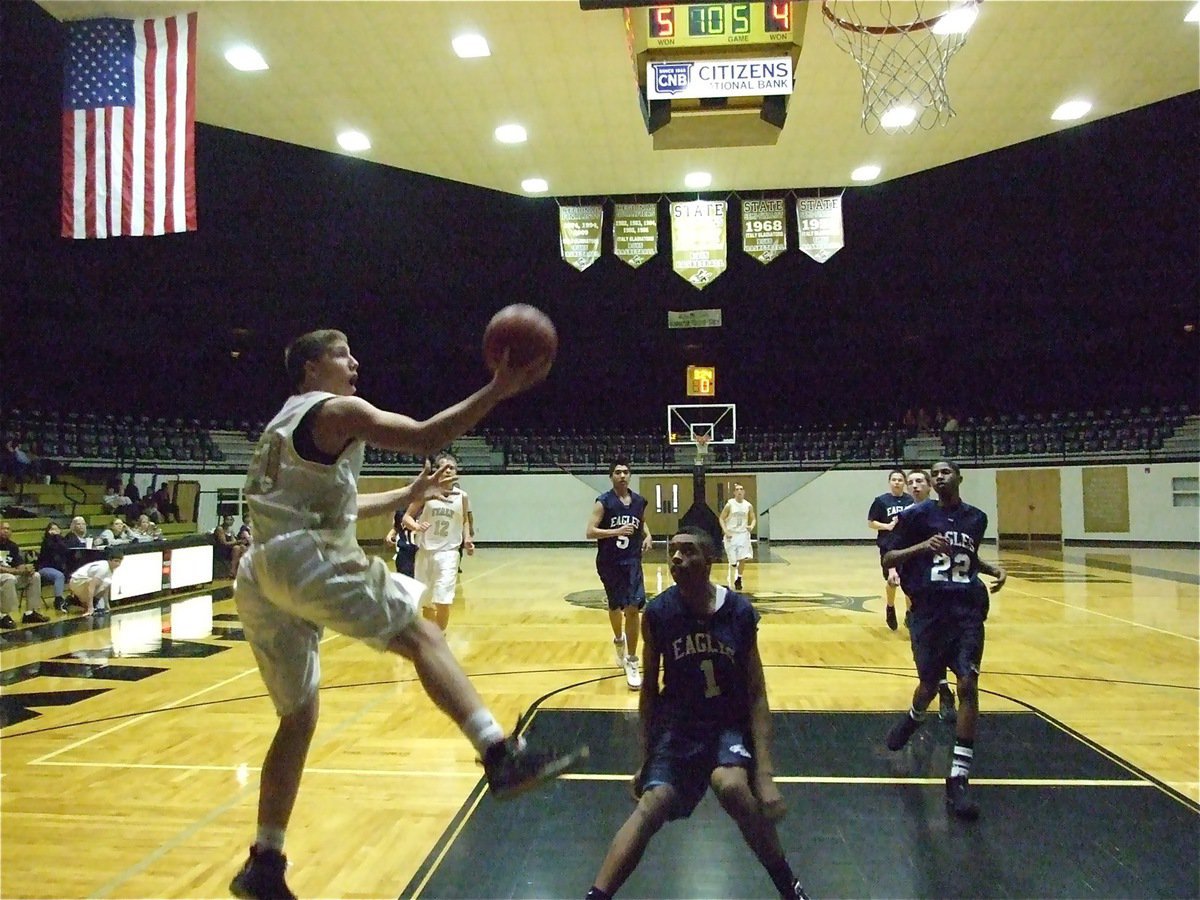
[438,570]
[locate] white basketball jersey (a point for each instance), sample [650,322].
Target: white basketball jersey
[287,493]
[739,516]
[445,518]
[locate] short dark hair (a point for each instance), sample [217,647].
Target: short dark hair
[894,471]
[952,464]
[445,454]
[919,471]
[114,554]
[703,540]
[619,461]
[307,348]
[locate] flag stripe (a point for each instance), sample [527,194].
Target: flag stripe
[128,146]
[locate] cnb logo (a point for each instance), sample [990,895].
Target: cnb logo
[671,78]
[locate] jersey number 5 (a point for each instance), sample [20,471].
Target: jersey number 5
[959,568]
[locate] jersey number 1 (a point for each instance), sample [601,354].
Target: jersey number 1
[711,688]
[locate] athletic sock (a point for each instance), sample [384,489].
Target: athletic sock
[915,715]
[964,753]
[482,730]
[269,838]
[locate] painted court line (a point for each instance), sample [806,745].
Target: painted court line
[1186,637]
[837,779]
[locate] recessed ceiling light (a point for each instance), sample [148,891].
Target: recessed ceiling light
[697,179]
[511,134]
[534,186]
[865,173]
[898,117]
[245,59]
[1194,15]
[471,46]
[1071,110]
[957,21]
[354,141]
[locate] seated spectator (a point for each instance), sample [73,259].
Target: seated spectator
[951,423]
[114,501]
[135,499]
[244,535]
[17,577]
[226,547]
[92,583]
[147,529]
[117,533]
[52,563]
[167,508]
[77,543]
[923,421]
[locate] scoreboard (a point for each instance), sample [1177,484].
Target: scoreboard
[718,24]
[702,380]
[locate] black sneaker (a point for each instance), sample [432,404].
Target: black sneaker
[33,618]
[901,732]
[261,877]
[891,618]
[74,601]
[946,710]
[796,893]
[7,622]
[737,583]
[908,619]
[958,799]
[513,768]
[60,604]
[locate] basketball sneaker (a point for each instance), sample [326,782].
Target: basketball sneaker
[796,893]
[958,799]
[737,583]
[512,767]
[33,618]
[901,732]
[633,676]
[890,615]
[7,622]
[619,650]
[946,710]
[261,877]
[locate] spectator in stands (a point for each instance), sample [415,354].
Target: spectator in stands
[147,529]
[135,498]
[167,508]
[92,583]
[951,423]
[225,545]
[114,501]
[117,533]
[909,421]
[52,563]
[15,462]
[924,423]
[244,535]
[18,577]
[77,542]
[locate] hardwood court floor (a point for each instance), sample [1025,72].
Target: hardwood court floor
[141,781]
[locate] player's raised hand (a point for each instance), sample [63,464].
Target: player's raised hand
[511,380]
[937,544]
[432,485]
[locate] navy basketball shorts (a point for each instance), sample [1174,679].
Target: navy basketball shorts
[945,634]
[624,585]
[882,567]
[685,760]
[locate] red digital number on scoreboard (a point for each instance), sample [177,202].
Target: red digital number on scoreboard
[778,17]
[662,21]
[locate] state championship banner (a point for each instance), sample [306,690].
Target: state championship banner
[635,232]
[579,229]
[698,249]
[764,229]
[701,78]
[819,221]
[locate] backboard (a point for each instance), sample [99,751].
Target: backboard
[718,421]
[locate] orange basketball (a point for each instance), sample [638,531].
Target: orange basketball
[525,331]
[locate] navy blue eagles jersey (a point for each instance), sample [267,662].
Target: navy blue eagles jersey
[704,662]
[883,508]
[955,571]
[621,550]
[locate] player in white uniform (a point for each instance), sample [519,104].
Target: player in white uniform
[305,571]
[91,584]
[440,527]
[737,521]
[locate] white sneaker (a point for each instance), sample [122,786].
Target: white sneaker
[632,674]
[619,650]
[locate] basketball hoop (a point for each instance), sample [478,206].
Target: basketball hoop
[902,49]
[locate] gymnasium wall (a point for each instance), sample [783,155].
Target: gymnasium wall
[798,506]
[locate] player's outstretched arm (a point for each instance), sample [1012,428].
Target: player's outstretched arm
[425,486]
[343,419]
[769,797]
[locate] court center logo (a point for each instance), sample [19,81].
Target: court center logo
[766,602]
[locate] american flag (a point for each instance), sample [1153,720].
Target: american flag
[128,154]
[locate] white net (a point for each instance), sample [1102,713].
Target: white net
[902,49]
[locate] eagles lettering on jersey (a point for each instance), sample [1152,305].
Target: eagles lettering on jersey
[957,569]
[625,549]
[704,662]
[883,509]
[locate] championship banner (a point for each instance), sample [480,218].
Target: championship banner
[635,232]
[694,318]
[698,248]
[819,221]
[764,229]
[579,229]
